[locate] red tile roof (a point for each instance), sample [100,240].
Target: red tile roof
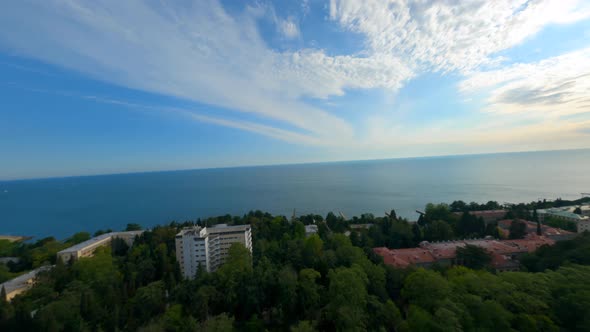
[531,228]
[404,257]
[427,253]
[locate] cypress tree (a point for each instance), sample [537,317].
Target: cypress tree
[3,298]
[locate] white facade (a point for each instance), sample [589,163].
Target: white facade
[311,230]
[22,283]
[208,247]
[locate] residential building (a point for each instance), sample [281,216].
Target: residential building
[567,213]
[22,283]
[505,254]
[207,247]
[556,234]
[311,230]
[357,227]
[87,248]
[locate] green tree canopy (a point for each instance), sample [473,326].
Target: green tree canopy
[473,257]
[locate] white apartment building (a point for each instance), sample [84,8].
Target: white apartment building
[208,246]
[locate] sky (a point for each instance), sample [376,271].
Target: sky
[97,87]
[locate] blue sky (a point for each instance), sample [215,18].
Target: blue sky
[123,86]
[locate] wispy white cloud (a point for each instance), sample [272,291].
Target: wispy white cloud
[288,28]
[451,35]
[199,52]
[552,87]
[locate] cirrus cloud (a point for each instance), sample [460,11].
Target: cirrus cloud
[197,51]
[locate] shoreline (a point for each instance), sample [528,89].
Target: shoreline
[15,238]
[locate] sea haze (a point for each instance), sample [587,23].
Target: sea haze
[63,206]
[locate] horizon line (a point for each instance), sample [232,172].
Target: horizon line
[283,164]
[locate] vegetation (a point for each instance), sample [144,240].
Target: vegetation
[33,255]
[576,251]
[524,210]
[327,281]
[460,206]
[517,229]
[474,257]
[560,223]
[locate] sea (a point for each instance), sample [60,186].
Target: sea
[60,207]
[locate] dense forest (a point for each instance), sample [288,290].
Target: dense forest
[292,282]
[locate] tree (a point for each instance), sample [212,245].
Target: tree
[288,292]
[560,223]
[348,298]
[536,220]
[419,320]
[492,230]
[517,229]
[78,238]
[3,295]
[439,212]
[438,231]
[303,326]
[174,321]
[392,215]
[219,323]
[133,227]
[425,288]
[416,233]
[473,257]
[309,291]
[470,225]
[312,249]
[148,302]
[458,206]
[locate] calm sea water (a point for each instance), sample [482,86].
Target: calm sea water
[63,206]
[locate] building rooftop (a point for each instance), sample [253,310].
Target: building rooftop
[311,228]
[97,239]
[405,257]
[531,228]
[565,212]
[223,228]
[360,226]
[217,229]
[530,244]
[23,280]
[195,230]
[431,252]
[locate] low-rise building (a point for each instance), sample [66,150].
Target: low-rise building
[556,234]
[207,247]
[311,230]
[87,248]
[582,220]
[357,227]
[504,254]
[22,283]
